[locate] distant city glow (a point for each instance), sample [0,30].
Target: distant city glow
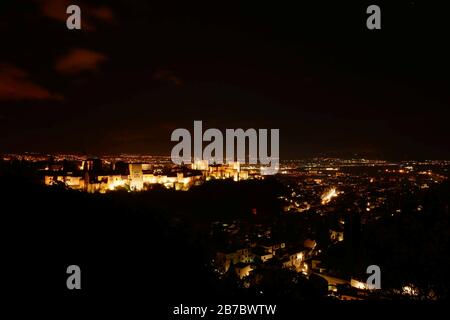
[410,291]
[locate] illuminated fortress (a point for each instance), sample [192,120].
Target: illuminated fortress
[92,176]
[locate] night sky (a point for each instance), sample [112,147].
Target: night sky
[138,70]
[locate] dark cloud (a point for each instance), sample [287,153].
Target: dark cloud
[167,76]
[15,85]
[55,9]
[102,13]
[79,60]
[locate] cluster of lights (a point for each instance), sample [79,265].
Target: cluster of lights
[328,195]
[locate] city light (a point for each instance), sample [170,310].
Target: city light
[328,195]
